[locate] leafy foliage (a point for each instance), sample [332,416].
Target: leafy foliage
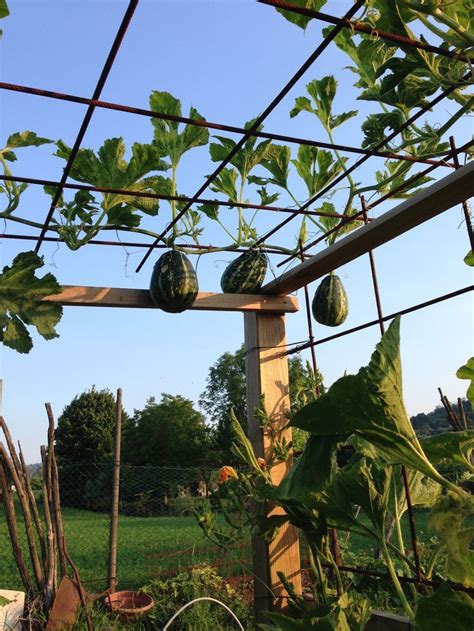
[78,221]
[18,140]
[444,609]
[86,427]
[166,433]
[20,294]
[467,372]
[226,391]
[361,496]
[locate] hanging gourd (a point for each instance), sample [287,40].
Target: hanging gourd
[246,274]
[174,285]
[330,305]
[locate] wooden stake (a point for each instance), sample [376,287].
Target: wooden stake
[267,378]
[55,495]
[25,507]
[10,515]
[52,548]
[33,506]
[115,496]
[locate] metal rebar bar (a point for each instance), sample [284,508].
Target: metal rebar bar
[465,207]
[361,27]
[366,325]
[62,96]
[357,215]
[90,110]
[136,244]
[356,164]
[180,198]
[259,120]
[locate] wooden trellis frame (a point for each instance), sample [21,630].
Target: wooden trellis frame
[267,369]
[265,339]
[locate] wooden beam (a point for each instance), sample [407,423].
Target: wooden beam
[267,377]
[83,296]
[447,192]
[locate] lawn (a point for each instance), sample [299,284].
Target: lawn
[142,541]
[149,546]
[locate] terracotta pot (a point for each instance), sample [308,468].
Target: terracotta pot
[129,604]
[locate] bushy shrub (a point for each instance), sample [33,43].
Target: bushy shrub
[170,594]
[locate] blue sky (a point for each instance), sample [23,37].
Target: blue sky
[228,59]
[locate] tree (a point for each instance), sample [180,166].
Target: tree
[170,433]
[226,391]
[86,427]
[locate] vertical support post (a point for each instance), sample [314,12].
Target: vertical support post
[267,377]
[115,496]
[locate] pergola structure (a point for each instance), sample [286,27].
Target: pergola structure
[264,314]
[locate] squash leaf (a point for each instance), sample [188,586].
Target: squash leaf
[302,20]
[322,91]
[4,11]
[169,141]
[467,372]
[451,446]
[469,258]
[247,157]
[370,405]
[109,169]
[20,291]
[445,609]
[447,517]
[14,190]
[226,182]
[312,471]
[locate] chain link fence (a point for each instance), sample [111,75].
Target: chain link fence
[145,491]
[158,533]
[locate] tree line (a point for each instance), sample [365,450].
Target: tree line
[171,432]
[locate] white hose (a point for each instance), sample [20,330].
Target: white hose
[191,602]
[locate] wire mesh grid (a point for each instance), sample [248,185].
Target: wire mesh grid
[168,497]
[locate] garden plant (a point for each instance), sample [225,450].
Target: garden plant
[399,78]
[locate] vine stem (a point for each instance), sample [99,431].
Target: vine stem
[396,583]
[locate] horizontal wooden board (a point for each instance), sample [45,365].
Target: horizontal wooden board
[84,296]
[444,194]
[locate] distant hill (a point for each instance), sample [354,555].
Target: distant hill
[436,421]
[33,469]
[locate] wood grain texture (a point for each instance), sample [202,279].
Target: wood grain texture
[267,376]
[444,194]
[84,296]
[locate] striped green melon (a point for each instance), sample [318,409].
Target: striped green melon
[245,275]
[330,305]
[173,285]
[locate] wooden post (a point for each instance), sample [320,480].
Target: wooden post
[267,376]
[115,496]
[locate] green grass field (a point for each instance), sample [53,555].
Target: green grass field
[149,546]
[142,540]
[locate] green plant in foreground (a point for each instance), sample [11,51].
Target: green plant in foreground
[20,291]
[365,410]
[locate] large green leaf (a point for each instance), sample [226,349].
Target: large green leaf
[322,91]
[312,471]
[370,404]
[20,291]
[247,157]
[424,492]
[26,139]
[448,518]
[467,372]
[302,20]
[4,9]
[445,609]
[167,138]
[452,447]
[109,169]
